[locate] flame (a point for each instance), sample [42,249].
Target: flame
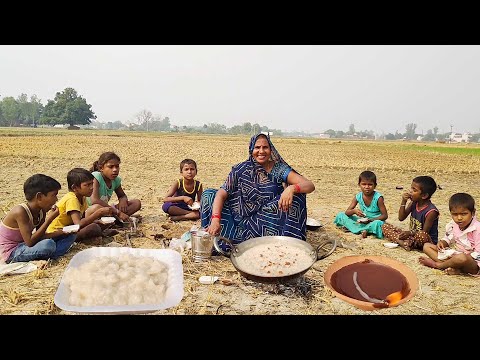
[394,298]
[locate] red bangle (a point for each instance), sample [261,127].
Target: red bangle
[297,188]
[216,216]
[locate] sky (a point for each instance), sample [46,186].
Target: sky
[309,88]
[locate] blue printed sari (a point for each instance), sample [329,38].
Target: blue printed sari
[251,209]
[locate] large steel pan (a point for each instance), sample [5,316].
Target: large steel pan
[323,250]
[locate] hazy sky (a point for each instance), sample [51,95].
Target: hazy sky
[311,88]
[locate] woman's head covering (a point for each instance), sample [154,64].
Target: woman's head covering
[275,156]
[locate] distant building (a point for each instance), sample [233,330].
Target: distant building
[458,138]
[323,136]
[268,133]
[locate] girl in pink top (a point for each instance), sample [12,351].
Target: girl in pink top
[462,236]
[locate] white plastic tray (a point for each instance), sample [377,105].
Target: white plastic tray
[173,296]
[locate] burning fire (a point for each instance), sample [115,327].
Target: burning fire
[394,298]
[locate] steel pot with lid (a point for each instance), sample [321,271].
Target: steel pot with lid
[274,258]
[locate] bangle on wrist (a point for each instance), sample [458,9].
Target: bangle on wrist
[297,188]
[216,216]
[402,205]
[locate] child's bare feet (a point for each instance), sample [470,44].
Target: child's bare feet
[344,229]
[364,234]
[427,262]
[109,232]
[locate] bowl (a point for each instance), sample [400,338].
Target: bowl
[390,245]
[365,305]
[313,224]
[363,220]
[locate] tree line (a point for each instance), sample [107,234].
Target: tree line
[69,108]
[66,108]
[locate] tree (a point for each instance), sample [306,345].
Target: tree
[68,108]
[29,111]
[351,129]
[410,134]
[330,132]
[247,128]
[10,110]
[143,118]
[429,136]
[475,137]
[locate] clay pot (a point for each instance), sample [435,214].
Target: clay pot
[365,305]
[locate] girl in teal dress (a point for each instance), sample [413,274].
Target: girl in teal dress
[371,211]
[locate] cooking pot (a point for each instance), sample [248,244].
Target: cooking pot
[324,249]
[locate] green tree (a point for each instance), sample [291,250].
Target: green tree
[247,128]
[23,109]
[68,108]
[330,132]
[30,111]
[10,111]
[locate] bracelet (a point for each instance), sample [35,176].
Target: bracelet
[216,216]
[297,188]
[402,205]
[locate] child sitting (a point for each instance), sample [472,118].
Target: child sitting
[72,206]
[105,170]
[462,235]
[423,216]
[183,193]
[18,242]
[371,211]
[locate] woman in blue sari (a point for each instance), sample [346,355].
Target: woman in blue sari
[262,196]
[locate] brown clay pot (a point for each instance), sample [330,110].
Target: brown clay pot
[365,305]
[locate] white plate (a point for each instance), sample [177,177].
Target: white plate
[107,219]
[194,206]
[313,222]
[390,245]
[363,220]
[445,254]
[173,295]
[71,228]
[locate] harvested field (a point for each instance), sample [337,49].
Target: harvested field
[150,163]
